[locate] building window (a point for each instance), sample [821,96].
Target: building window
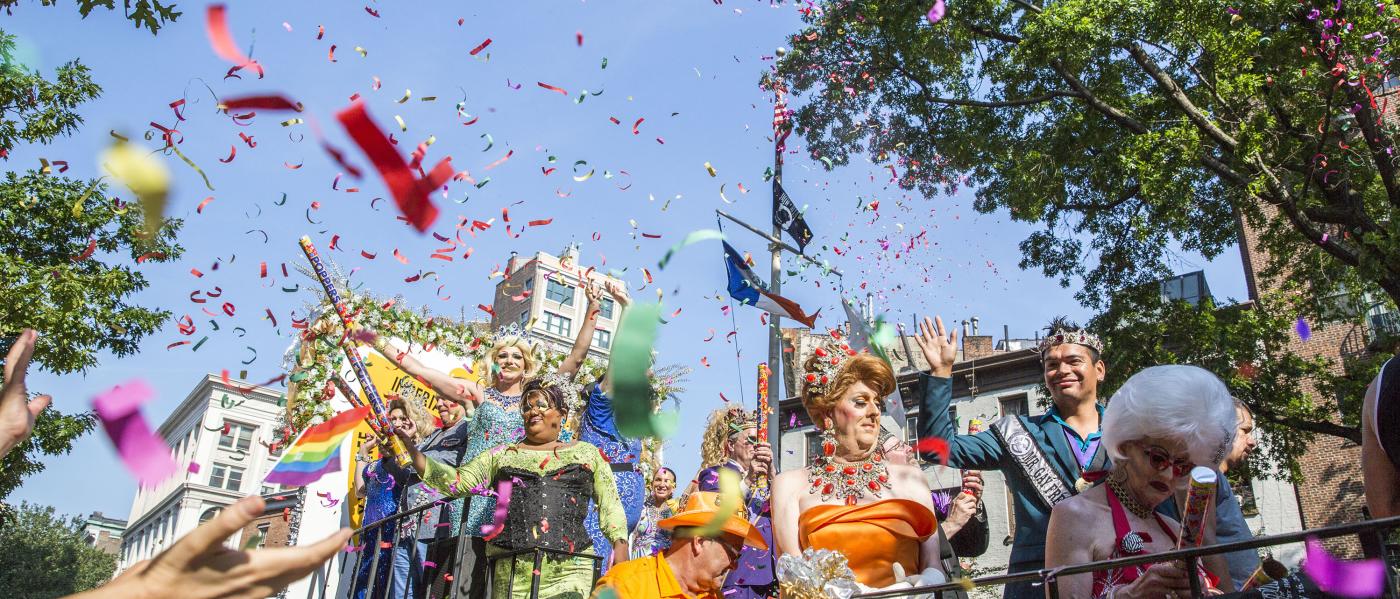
[559,325]
[524,320]
[1014,405]
[226,477]
[606,309]
[602,339]
[236,437]
[262,534]
[209,514]
[559,292]
[266,490]
[530,284]
[911,430]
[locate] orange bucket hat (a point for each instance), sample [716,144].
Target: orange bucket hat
[701,508]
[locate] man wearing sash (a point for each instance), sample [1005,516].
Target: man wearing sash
[1042,457]
[731,442]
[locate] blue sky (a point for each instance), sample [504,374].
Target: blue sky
[689,68]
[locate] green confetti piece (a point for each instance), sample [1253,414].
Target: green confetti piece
[605,62]
[201,342]
[253,542]
[631,388]
[692,237]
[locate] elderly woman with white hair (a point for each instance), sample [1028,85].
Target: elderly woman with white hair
[1164,421]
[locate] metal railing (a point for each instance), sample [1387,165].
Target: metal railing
[1048,578]
[370,575]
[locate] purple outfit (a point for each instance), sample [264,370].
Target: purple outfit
[754,576]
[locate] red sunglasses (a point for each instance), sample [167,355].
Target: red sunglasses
[1161,460]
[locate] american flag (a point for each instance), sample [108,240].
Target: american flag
[781,125]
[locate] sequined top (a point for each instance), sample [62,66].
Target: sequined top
[384,488]
[534,502]
[489,426]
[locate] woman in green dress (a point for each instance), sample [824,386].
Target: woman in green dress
[552,483]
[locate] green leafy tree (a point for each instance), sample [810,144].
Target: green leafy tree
[148,14]
[68,255]
[42,555]
[1129,129]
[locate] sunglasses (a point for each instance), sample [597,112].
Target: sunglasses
[1161,460]
[731,547]
[541,407]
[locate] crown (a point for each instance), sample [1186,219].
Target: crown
[737,419]
[508,332]
[829,360]
[1076,336]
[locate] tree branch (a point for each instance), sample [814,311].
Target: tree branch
[1046,97]
[1111,112]
[1350,433]
[1174,91]
[1122,198]
[996,35]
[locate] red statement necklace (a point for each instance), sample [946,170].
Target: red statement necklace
[848,481]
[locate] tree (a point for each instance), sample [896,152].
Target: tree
[67,255]
[1128,128]
[42,555]
[148,14]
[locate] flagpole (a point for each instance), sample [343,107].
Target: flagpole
[775,349]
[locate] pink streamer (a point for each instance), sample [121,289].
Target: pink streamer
[145,454]
[1346,579]
[498,520]
[936,12]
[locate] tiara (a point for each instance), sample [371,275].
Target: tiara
[1076,336]
[508,332]
[829,361]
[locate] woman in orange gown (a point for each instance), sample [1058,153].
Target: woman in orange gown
[849,498]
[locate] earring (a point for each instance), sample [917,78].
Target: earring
[828,440]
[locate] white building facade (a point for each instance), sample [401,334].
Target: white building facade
[541,294]
[221,436]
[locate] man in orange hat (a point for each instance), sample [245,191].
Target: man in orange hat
[696,563]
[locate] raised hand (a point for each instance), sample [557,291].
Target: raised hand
[17,412]
[940,348]
[199,565]
[594,294]
[618,294]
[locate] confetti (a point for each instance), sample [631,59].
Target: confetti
[498,520]
[1364,578]
[410,193]
[144,176]
[936,12]
[631,388]
[1302,328]
[144,453]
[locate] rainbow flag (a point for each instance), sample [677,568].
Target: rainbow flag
[317,451]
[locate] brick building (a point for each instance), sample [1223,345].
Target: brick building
[104,533]
[1332,491]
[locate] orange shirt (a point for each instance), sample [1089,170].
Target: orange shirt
[643,578]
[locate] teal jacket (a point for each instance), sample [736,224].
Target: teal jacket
[982,451]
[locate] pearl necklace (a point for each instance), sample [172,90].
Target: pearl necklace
[848,481]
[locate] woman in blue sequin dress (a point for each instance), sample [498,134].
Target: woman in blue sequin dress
[382,483]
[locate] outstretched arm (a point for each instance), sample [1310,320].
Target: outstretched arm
[17,412]
[456,389]
[571,364]
[980,451]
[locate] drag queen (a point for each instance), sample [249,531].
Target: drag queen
[553,483]
[849,498]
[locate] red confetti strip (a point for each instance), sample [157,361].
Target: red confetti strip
[479,48]
[149,256]
[200,209]
[216,26]
[273,102]
[552,88]
[487,309]
[499,162]
[367,255]
[410,193]
[540,223]
[638,124]
[400,257]
[934,445]
[232,152]
[87,253]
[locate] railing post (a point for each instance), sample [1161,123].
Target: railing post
[535,575]
[1196,591]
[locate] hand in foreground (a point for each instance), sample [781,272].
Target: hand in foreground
[762,459]
[1160,580]
[928,577]
[198,565]
[972,482]
[619,294]
[940,348]
[17,412]
[593,293]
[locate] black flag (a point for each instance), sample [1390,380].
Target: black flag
[787,218]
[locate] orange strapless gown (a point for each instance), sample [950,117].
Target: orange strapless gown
[872,536]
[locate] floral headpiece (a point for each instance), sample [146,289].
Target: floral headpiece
[1076,336]
[737,419]
[567,387]
[829,361]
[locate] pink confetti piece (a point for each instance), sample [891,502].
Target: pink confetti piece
[1302,328]
[145,454]
[498,520]
[936,12]
[1347,579]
